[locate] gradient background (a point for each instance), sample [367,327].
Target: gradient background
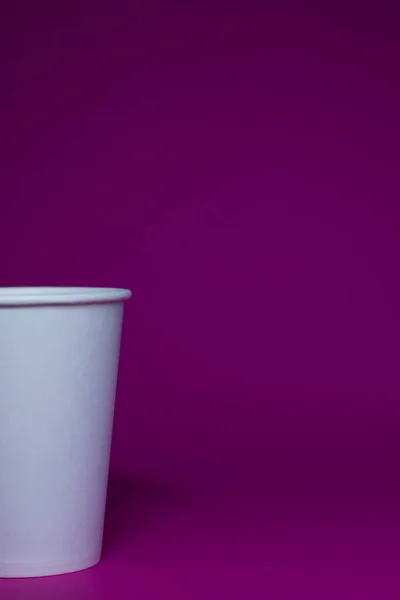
[237,166]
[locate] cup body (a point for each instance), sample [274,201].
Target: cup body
[59,351]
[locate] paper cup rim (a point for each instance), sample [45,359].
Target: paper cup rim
[40,296]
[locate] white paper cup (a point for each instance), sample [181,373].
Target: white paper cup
[59,350]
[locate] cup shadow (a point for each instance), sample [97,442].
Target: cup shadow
[135,505]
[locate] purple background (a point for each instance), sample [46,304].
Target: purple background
[237,166]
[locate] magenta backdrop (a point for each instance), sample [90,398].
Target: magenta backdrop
[238,169]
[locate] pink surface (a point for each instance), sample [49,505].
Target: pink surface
[247,547]
[237,167]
